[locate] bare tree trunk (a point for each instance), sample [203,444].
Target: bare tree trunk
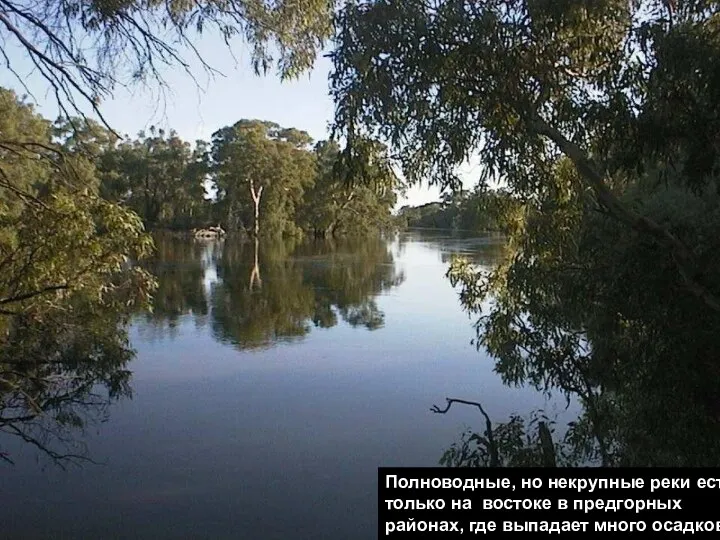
[256,199]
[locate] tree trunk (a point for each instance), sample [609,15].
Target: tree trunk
[338,217]
[256,195]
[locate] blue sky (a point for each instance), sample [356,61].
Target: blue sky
[196,110]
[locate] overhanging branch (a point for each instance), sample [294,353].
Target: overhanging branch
[588,171]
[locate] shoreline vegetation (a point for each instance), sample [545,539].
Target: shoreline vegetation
[600,120]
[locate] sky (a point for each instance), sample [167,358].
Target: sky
[196,109]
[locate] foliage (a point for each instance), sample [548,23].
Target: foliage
[261,171]
[345,202]
[69,239]
[67,284]
[85,49]
[167,182]
[160,177]
[516,443]
[58,237]
[581,306]
[598,116]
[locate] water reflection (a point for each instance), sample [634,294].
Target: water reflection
[180,267]
[270,382]
[58,378]
[636,363]
[257,294]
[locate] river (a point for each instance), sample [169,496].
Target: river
[268,385]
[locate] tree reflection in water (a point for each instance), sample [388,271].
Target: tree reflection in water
[61,375]
[274,292]
[609,326]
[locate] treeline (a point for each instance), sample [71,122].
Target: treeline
[481,210]
[253,177]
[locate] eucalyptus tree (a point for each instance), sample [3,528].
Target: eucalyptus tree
[66,288]
[523,81]
[351,198]
[479,211]
[259,166]
[600,118]
[58,236]
[158,175]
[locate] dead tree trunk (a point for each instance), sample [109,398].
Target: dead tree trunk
[256,195]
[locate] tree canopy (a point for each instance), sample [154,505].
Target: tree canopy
[84,50]
[524,81]
[599,117]
[260,165]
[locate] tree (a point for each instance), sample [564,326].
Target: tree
[599,118]
[57,236]
[581,307]
[85,50]
[480,211]
[346,200]
[67,287]
[521,81]
[159,176]
[261,165]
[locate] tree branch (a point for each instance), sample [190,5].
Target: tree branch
[494,458]
[681,254]
[32,294]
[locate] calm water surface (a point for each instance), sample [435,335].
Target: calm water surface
[269,384]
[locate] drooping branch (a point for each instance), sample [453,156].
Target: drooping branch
[59,458]
[494,458]
[56,73]
[590,173]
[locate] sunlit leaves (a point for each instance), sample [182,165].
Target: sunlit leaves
[84,50]
[60,237]
[260,167]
